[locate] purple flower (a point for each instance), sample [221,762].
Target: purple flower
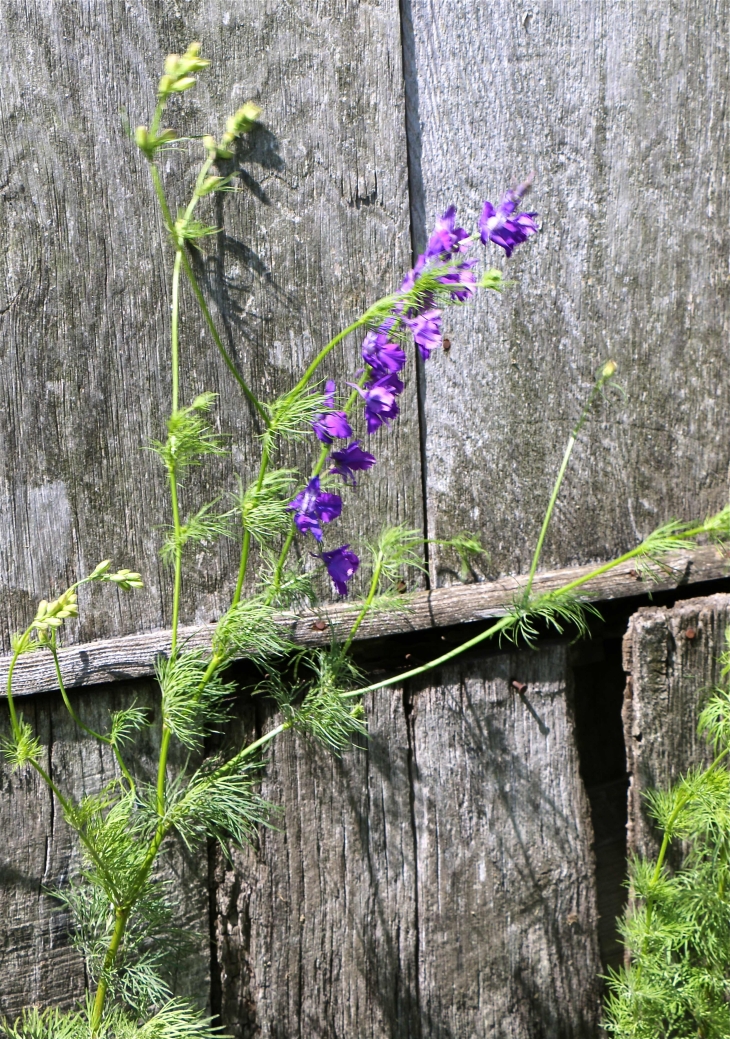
[445,238]
[380,401]
[351,459]
[463,280]
[314,507]
[383,357]
[332,425]
[341,565]
[499,226]
[426,329]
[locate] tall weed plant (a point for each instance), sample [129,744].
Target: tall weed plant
[123,918]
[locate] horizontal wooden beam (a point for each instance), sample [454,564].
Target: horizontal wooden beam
[133,656]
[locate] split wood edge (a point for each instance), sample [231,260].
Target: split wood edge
[132,656]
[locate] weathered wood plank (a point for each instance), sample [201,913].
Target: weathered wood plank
[672,660]
[40,852]
[620,109]
[132,656]
[84,301]
[438,882]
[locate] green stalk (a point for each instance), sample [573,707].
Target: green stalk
[606,372]
[364,319]
[193,281]
[98,1010]
[367,604]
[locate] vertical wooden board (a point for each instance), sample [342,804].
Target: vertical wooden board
[318,230]
[41,853]
[669,677]
[620,109]
[506,901]
[317,927]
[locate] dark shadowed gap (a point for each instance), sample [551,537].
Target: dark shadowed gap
[417,208]
[598,683]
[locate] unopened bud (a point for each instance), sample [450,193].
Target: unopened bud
[193,49]
[184,83]
[171,63]
[209,143]
[141,137]
[211,184]
[165,85]
[610,368]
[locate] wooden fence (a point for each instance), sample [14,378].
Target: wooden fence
[441,880]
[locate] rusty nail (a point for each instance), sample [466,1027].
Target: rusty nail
[401,586]
[447,345]
[690,633]
[635,574]
[408,656]
[519,687]
[319,625]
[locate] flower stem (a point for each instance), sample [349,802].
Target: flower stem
[606,372]
[97,1012]
[368,602]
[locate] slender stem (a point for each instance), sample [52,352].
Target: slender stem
[362,320]
[501,625]
[120,923]
[177,527]
[368,602]
[175,331]
[230,364]
[193,281]
[69,708]
[162,769]
[559,480]
[9,684]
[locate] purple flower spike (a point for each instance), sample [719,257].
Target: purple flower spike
[314,507]
[446,239]
[499,226]
[380,401]
[426,329]
[383,357]
[341,565]
[351,459]
[332,426]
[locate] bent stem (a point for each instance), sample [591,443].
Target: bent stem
[607,370]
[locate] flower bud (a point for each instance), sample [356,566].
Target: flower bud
[184,83]
[165,85]
[100,569]
[211,184]
[610,368]
[209,143]
[171,64]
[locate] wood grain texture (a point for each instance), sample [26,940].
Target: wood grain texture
[40,853]
[621,111]
[318,230]
[132,656]
[670,675]
[437,882]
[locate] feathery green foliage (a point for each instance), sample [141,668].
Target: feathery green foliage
[676,927]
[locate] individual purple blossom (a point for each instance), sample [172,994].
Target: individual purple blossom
[501,227]
[331,425]
[461,279]
[426,329]
[446,239]
[351,459]
[341,565]
[380,401]
[314,507]
[382,356]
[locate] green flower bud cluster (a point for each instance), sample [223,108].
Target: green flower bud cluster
[124,579]
[180,70]
[242,121]
[52,614]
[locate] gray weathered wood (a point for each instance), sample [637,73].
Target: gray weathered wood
[620,110]
[40,852]
[672,660]
[132,656]
[438,882]
[83,290]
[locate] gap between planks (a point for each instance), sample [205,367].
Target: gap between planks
[132,656]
